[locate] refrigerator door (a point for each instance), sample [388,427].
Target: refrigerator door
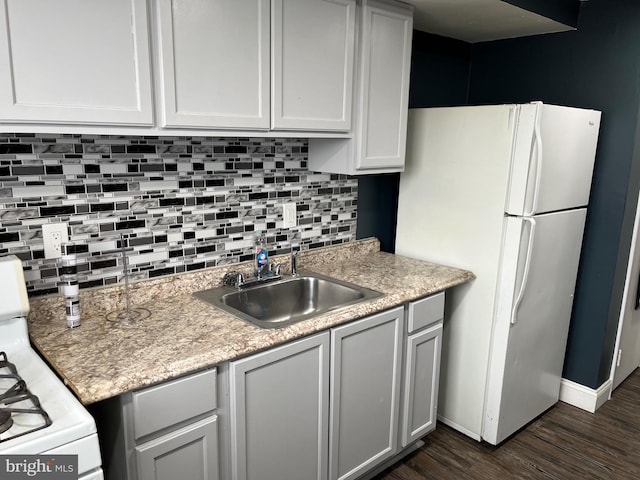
[533,307]
[552,159]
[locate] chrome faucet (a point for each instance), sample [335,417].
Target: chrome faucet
[269,272]
[294,262]
[275,269]
[233,279]
[262,271]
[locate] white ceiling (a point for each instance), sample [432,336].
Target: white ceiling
[479,20]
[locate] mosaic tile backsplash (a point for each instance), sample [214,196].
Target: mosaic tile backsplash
[177,203]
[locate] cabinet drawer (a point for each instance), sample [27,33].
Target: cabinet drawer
[173,402]
[423,313]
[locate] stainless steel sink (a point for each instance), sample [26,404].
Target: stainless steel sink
[287,301]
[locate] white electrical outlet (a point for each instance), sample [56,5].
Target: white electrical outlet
[289,215]
[53,236]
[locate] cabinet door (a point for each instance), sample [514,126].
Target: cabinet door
[214,63]
[190,453]
[365,385]
[313,54]
[421,377]
[385,58]
[75,61]
[279,412]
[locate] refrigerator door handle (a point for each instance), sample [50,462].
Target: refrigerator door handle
[537,144]
[525,274]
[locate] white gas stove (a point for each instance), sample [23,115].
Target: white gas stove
[38,414]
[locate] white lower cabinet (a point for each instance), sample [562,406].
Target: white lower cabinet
[190,453]
[279,412]
[169,431]
[173,430]
[339,405]
[365,389]
[366,366]
[422,368]
[421,384]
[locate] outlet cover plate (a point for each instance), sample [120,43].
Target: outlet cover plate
[53,236]
[289,215]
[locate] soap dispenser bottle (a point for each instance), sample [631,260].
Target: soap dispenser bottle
[262,256]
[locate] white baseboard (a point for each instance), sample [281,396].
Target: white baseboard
[584,397]
[572,393]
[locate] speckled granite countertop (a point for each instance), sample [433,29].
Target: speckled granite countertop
[102,359]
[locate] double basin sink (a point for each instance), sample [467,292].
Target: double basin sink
[287,301]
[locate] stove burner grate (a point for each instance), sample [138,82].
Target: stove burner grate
[17,388]
[17,399]
[4,363]
[5,420]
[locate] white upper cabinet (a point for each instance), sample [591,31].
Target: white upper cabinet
[214,60]
[384,85]
[382,95]
[256,64]
[313,55]
[75,61]
[316,68]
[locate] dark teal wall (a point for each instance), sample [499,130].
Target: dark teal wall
[598,67]
[378,209]
[439,77]
[439,71]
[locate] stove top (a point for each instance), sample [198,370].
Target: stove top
[38,414]
[20,411]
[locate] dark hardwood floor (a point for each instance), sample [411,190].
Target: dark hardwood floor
[564,443]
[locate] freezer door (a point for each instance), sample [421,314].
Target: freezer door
[533,307]
[552,159]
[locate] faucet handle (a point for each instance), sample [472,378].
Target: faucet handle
[233,279]
[275,268]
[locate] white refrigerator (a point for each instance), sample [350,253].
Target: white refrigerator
[500,190]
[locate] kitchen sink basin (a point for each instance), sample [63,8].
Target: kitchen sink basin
[287,301]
